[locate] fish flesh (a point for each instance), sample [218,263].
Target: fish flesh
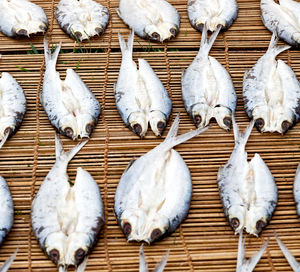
[6,210]
[244,265]
[271,92]
[22,18]
[70,105]
[8,262]
[207,88]
[288,255]
[82,19]
[283,18]
[140,96]
[247,189]
[156,20]
[66,218]
[154,193]
[12,106]
[212,13]
[143,263]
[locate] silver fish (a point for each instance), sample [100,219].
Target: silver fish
[8,262]
[156,20]
[70,105]
[283,18]
[247,189]
[6,210]
[288,255]
[82,19]
[67,219]
[143,263]
[212,13]
[207,88]
[271,92]
[21,18]
[154,193]
[244,265]
[140,96]
[12,106]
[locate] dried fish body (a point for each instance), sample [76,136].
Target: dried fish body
[21,18]
[6,210]
[156,20]
[244,265]
[154,193]
[12,106]
[67,219]
[207,88]
[70,105]
[212,13]
[283,18]
[247,189]
[271,92]
[8,262]
[140,96]
[143,263]
[82,19]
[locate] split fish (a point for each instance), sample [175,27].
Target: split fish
[140,96]
[154,193]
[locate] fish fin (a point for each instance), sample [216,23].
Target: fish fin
[241,138]
[273,48]
[129,164]
[51,58]
[161,265]
[118,12]
[60,153]
[4,140]
[8,262]
[126,48]
[252,262]
[143,262]
[241,251]
[174,128]
[82,266]
[206,45]
[288,255]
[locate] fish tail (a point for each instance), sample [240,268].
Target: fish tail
[241,250]
[161,265]
[126,48]
[256,257]
[241,138]
[51,58]
[288,255]
[8,262]
[174,128]
[273,48]
[82,266]
[206,45]
[66,156]
[4,140]
[143,263]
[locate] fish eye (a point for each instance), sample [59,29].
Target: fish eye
[234,222]
[227,121]
[137,129]
[79,255]
[173,31]
[155,36]
[285,125]
[161,127]
[260,225]
[89,128]
[127,228]
[54,255]
[8,130]
[259,123]
[155,234]
[69,132]
[197,120]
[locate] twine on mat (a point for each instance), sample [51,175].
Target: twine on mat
[186,250]
[168,71]
[105,157]
[36,141]
[226,53]
[268,256]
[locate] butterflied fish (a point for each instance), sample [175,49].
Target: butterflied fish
[283,18]
[143,263]
[8,262]
[82,19]
[21,18]
[244,265]
[12,106]
[67,219]
[156,20]
[247,189]
[207,88]
[6,210]
[288,255]
[213,13]
[154,193]
[140,96]
[70,105]
[271,92]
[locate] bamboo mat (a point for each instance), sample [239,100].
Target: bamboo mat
[205,241]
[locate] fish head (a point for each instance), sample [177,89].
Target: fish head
[7,126]
[55,247]
[78,247]
[201,114]
[236,215]
[158,122]
[85,124]
[257,220]
[162,31]
[138,123]
[223,116]
[68,127]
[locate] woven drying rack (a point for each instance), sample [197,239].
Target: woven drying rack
[205,241]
